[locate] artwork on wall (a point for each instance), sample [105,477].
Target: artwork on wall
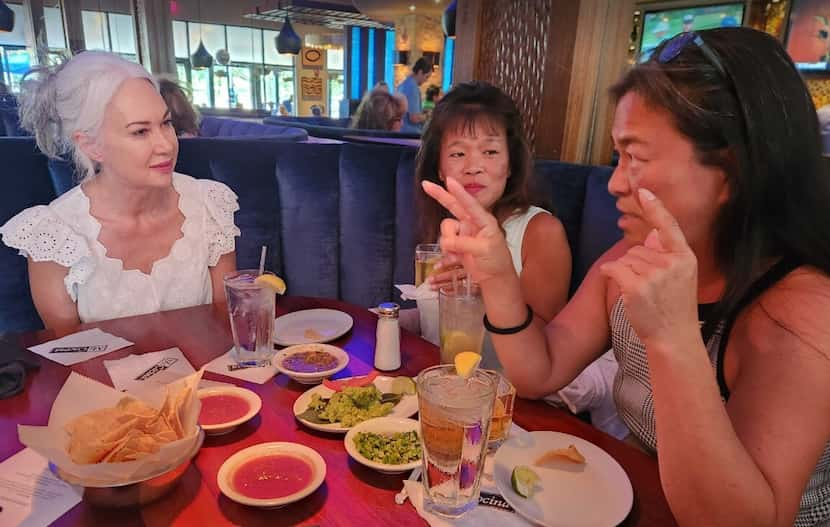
[312,57]
[311,87]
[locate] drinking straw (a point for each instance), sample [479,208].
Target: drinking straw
[262,260]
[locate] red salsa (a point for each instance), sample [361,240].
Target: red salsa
[274,476]
[222,408]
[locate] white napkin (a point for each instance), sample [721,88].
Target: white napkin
[480,516]
[592,391]
[136,372]
[80,347]
[427,301]
[259,375]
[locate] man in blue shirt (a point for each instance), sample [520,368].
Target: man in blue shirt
[413,119]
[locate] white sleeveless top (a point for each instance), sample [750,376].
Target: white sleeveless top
[64,232]
[514,233]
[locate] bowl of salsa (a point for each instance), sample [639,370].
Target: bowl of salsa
[226,407]
[311,363]
[271,475]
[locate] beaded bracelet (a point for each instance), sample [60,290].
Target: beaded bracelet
[510,331]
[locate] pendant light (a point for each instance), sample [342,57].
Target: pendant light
[201,59]
[448,20]
[6,17]
[288,41]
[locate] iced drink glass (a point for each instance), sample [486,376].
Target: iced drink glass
[455,420]
[251,308]
[460,320]
[502,417]
[426,256]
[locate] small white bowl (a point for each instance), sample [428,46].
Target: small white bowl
[313,377]
[226,472]
[254,404]
[381,425]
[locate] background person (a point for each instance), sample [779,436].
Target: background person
[379,110]
[133,237]
[725,220]
[411,89]
[184,116]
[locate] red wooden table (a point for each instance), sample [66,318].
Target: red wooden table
[351,495]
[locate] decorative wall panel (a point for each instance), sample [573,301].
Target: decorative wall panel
[514,44]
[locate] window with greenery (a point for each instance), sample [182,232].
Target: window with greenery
[16,54]
[255,77]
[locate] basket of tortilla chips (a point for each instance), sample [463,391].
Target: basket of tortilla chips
[124,449]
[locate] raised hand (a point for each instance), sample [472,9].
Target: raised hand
[658,280]
[474,238]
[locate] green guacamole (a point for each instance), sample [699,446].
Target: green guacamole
[394,449]
[351,406]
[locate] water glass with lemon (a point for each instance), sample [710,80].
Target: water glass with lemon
[460,320]
[455,403]
[251,309]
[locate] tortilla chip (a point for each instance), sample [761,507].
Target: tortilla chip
[570,454]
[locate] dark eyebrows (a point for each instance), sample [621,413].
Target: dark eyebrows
[147,123]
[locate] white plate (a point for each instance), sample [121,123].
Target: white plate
[381,425]
[226,472]
[310,326]
[407,407]
[597,494]
[317,376]
[254,406]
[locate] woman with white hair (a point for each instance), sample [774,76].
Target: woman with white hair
[134,236]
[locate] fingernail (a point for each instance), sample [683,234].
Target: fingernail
[645,194]
[437,266]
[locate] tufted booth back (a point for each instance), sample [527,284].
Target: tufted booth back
[338,219]
[234,128]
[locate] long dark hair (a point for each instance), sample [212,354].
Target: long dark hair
[461,108]
[759,124]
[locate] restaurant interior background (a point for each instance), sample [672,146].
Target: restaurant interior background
[557,58]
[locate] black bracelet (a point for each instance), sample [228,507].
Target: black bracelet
[510,331]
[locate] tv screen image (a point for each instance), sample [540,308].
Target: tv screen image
[661,25]
[808,37]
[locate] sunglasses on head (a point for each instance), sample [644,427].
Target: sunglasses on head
[679,42]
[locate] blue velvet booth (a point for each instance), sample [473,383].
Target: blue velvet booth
[234,129]
[340,132]
[338,219]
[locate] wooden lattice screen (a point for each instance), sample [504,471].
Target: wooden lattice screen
[513,51]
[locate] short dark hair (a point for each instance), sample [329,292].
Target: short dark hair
[422,65]
[460,108]
[432,92]
[760,126]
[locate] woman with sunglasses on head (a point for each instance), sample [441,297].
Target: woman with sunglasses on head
[725,219]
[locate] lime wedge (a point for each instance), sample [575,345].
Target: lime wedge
[274,282]
[403,386]
[466,363]
[523,480]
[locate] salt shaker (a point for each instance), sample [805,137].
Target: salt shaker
[388,338]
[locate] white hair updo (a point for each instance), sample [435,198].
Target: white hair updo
[57,101]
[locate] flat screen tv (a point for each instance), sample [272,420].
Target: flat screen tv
[661,25]
[808,34]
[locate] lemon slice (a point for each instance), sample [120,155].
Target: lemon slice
[402,386]
[523,480]
[466,363]
[274,282]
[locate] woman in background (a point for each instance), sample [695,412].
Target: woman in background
[379,110]
[184,116]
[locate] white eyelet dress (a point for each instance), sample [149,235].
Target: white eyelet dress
[64,232]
